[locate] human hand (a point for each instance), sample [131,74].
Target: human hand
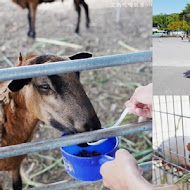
[141,102]
[123,173]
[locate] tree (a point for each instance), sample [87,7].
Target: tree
[161,21]
[185,26]
[176,21]
[173,18]
[185,14]
[176,25]
[187,9]
[179,25]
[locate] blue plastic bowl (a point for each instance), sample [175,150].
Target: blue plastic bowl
[88,168]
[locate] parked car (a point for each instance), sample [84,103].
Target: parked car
[158,34]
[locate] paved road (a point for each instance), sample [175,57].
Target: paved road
[171,52]
[171,59]
[171,81]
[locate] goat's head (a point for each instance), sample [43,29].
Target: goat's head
[57,100]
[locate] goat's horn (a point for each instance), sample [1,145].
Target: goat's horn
[20,57]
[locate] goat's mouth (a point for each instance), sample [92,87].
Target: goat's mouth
[67,130]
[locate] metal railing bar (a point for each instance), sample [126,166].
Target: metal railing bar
[167,150]
[168,172]
[168,162]
[62,185]
[50,144]
[172,174]
[147,166]
[74,65]
[188,117]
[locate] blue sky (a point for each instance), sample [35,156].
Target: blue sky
[168,6]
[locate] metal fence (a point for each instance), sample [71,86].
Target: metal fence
[171,140]
[74,65]
[66,67]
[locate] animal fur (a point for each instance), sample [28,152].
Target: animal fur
[57,100]
[32,5]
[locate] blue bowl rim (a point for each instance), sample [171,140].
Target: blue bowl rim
[89,158]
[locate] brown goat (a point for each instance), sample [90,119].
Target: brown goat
[32,6]
[57,100]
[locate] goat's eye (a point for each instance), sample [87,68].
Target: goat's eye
[44,87]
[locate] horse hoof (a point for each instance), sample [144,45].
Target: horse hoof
[87,25]
[77,30]
[31,34]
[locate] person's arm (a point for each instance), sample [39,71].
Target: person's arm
[123,173]
[141,102]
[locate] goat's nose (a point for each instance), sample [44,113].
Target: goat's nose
[92,124]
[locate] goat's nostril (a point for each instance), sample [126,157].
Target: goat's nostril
[92,124]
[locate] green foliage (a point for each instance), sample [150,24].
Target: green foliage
[185,14]
[173,18]
[185,25]
[184,178]
[178,21]
[187,9]
[179,25]
[161,21]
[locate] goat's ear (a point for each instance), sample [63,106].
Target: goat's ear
[17,85]
[19,59]
[82,55]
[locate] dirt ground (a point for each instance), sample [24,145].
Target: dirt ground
[108,89]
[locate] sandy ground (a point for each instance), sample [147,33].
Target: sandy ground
[108,89]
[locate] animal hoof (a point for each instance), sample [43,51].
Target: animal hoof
[77,30]
[31,34]
[87,25]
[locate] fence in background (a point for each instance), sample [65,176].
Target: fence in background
[171,140]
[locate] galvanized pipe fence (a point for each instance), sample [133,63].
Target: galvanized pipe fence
[74,184]
[74,65]
[49,144]
[66,67]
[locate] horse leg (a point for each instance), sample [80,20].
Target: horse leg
[86,12]
[78,9]
[31,19]
[17,181]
